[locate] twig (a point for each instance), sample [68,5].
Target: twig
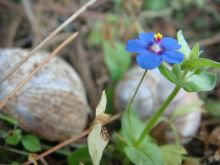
[84,69]
[37,69]
[70,140]
[33,21]
[210,41]
[14,150]
[11,5]
[12,31]
[43,161]
[20,153]
[47,39]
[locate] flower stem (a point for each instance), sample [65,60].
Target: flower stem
[155,118]
[128,108]
[136,90]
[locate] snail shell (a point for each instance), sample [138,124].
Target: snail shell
[52,104]
[153,91]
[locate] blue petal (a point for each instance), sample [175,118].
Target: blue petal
[169,44]
[148,60]
[172,57]
[136,46]
[147,37]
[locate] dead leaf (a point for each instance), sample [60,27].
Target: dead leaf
[32,158]
[97,141]
[98,137]
[102,104]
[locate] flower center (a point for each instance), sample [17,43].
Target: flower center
[156,48]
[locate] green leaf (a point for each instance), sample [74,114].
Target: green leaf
[31,143]
[14,137]
[8,119]
[200,63]
[212,106]
[185,49]
[166,72]
[79,155]
[131,127]
[173,154]
[194,54]
[176,69]
[116,59]
[148,154]
[205,81]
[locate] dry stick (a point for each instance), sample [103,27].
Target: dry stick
[33,20]
[12,31]
[209,41]
[20,153]
[47,39]
[71,140]
[39,67]
[14,150]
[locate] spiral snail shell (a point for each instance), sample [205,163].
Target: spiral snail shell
[52,104]
[153,91]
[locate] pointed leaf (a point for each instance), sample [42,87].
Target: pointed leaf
[116,59]
[185,49]
[166,72]
[97,140]
[200,63]
[148,154]
[132,126]
[194,54]
[176,69]
[173,154]
[205,81]
[102,104]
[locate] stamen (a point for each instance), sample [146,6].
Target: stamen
[158,37]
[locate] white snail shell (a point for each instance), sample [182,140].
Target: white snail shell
[52,104]
[153,91]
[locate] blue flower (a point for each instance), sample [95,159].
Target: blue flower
[153,49]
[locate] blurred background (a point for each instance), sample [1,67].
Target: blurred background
[107,25]
[98,54]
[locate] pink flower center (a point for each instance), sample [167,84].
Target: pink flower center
[156,48]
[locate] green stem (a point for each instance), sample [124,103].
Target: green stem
[155,118]
[128,108]
[135,92]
